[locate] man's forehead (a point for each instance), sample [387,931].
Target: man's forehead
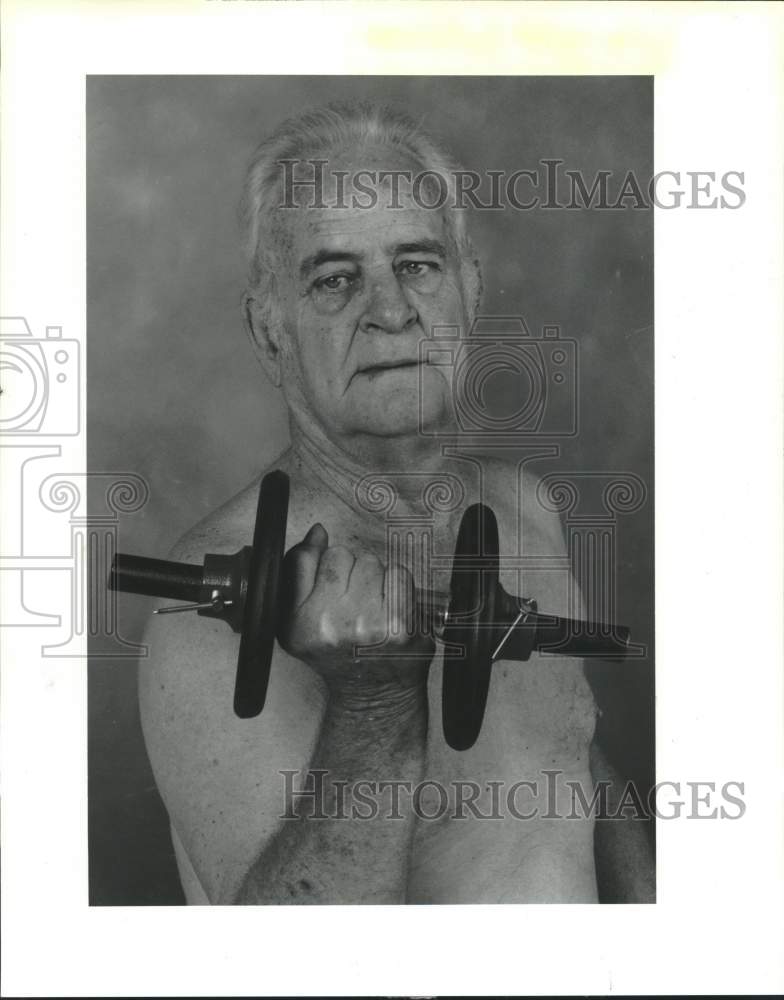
[381,225]
[363,206]
[315,234]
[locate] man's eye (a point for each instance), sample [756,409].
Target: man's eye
[422,276]
[416,268]
[333,282]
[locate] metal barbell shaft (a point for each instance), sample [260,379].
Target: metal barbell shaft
[157,577]
[522,629]
[525,630]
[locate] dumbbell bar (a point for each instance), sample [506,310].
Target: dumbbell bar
[478,621]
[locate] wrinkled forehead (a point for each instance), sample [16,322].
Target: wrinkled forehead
[359,198]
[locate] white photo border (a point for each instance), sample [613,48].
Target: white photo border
[719,919]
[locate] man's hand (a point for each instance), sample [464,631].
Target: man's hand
[338,605]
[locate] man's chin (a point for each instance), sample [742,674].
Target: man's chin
[390,428]
[406,423]
[394,408]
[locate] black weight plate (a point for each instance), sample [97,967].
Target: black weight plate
[261,601]
[471,614]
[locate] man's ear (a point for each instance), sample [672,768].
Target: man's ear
[264,332]
[471,272]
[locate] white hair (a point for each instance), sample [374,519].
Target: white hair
[315,133]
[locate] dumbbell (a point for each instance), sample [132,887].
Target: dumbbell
[477,620]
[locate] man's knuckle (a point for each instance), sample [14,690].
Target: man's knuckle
[363,632]
[367,559]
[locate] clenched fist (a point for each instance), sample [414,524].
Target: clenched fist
[337,603]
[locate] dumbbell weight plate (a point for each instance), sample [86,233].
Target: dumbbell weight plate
[261,601]
[468,632]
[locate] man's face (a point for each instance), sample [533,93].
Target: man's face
[361,289]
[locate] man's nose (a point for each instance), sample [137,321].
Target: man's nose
[388,308]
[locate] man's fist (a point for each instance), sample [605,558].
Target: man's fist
[337,603]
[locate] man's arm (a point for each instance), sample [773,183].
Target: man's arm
[335,847]
[623,852]
[220,776]
[340,848]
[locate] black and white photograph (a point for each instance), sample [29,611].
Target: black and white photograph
[391,434]
[356,336]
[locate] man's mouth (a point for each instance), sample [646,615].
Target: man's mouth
[385,366]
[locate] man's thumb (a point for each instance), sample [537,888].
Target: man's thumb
[317,537]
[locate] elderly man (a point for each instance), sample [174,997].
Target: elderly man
[343,290]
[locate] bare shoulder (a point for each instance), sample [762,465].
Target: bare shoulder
[228,526]
[219,775]
[517,496]
[534,561]
[231,525]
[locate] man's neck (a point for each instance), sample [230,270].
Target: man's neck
[350,471]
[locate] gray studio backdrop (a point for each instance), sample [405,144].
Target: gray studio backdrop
[174,394]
